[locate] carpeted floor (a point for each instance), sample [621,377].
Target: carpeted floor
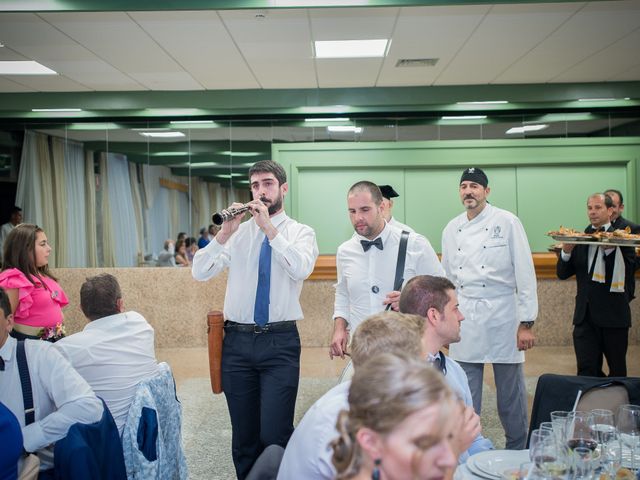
[206,428]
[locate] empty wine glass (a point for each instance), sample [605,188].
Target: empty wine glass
[611,455]
[629,430]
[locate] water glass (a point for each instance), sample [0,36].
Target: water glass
[611,456]
[603,425]
[559,422]
[629,431]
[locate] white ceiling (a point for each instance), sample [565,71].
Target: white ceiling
[270,49]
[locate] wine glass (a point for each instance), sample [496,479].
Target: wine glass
[603,425]
[582,463]
[629,430]
[579,431]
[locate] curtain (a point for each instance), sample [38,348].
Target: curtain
[122,223]
[90,211]
[159,221]
[28,193]
[108,248]
[137,209]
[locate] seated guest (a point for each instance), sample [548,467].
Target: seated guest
[60,396]
[435,299]
[11,441]
[399,423]
[166,258]
[115,351]
[181,254]
[308,454]
[203,241]
[192,248]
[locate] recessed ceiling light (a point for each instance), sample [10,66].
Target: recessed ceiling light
[170,154]
[190,122]
[464,117]
[344,129]
[483,102]
[526,128]
[204,164]
[351,48]
[230,175]
[596,99]
[329,119]
[162,134]
[56,109]
[239,154]
[24,68]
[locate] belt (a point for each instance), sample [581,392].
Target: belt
[44,333]
[254,328]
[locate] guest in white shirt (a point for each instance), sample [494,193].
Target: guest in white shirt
[388,194]
[486,254]
[435,299]
[268,258]
[115,351]
[366,264]
[14,219]
[61,397]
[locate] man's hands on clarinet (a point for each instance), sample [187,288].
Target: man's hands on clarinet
[260,214]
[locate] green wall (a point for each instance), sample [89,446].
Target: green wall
[544,182]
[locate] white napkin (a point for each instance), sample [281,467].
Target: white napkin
[617,282]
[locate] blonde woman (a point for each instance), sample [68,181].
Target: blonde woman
[401,420]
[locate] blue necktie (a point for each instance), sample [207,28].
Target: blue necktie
[261,310]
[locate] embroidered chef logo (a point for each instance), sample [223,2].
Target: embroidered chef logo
[471,170]
[497,232]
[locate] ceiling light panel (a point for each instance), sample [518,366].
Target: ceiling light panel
[24,68]
[374,48]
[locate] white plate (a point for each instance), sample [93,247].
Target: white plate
[494,462]
[473,468]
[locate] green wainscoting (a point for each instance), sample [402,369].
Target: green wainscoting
[545,182]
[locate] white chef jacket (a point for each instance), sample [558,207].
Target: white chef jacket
[365,278]
[294,254]
[61,397]
[489,261]
[113,354]
[400,225]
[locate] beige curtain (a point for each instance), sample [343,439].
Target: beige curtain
[90,210]
[108,246]
[49,224]
[137,209]
[59,201]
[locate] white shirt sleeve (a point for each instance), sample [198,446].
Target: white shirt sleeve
[341,303]
[297,256]
[526,284]
[210,260]
[72,396]
[427,262]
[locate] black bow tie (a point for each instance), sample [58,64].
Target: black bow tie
[591,229]
[366,244]
[440,362]
[1,364]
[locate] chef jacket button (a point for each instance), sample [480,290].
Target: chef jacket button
[459,230]
[482,266]
[375,289]
[461,286]
[486,229]
[458,249]
[484,246]
[483,284]
[460,268]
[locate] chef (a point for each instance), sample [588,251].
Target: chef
[486,254]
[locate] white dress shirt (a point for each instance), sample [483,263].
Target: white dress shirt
[365,278]
[308,453]
[61,397]
[294,254]
[113,354]
[400,225]
[489,261]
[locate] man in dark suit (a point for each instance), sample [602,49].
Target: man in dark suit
[617,220]
[606,285]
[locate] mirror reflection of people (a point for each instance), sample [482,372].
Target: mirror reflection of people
[36,297]
[15,218]
[401,419]
[388,194]
[167,257]
[181,257]
[268,258]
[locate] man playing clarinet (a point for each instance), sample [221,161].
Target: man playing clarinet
[268,258]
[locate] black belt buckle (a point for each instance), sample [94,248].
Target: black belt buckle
[258,329]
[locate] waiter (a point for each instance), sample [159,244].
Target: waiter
[268,258]
[388,194]
[486,254]
[366,264]
[605,286]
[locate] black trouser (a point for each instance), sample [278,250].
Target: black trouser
[260,374]
[591,342]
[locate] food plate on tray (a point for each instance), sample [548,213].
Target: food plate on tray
[573,238]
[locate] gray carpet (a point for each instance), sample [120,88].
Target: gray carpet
[206,429]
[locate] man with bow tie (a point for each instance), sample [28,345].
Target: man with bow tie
[366,264]
[606,285]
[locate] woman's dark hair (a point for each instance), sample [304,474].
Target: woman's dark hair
[20,252]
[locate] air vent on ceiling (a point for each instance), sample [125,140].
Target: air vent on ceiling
[417,62]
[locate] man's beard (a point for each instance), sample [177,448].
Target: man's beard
[273,207]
